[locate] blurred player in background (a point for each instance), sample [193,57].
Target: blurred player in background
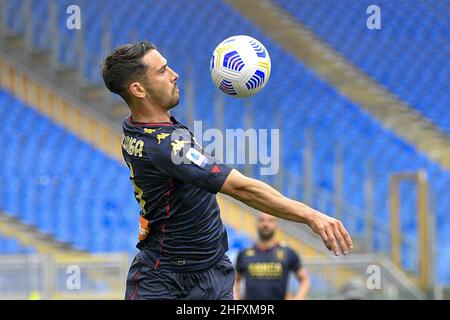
[267,265]
[182,238]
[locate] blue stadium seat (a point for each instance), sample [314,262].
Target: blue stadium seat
[10,245]
[396,55]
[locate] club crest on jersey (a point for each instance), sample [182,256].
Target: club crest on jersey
[280,254]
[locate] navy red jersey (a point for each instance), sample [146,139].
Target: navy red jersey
[266,272]
[175,184]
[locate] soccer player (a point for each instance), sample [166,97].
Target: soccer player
[182,240]
[267,265]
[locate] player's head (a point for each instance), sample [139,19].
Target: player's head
[266,225]
[138,72]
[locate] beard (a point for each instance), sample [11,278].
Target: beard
[165,99]
[171,103]
[176,98]
[265,234]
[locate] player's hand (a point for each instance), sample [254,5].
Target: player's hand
[332,232]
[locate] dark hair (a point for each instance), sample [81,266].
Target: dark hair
[124,65]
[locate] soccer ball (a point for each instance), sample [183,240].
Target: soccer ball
[240,66]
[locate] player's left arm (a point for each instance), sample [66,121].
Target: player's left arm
[263,197]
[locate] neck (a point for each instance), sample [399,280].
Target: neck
[267,244]
[149,113]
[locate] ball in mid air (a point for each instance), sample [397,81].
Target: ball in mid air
[240,66]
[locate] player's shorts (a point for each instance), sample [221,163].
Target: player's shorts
[215,283]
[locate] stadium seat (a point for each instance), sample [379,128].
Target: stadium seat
[396,56]
[10,245]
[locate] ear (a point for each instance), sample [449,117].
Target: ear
[137,90]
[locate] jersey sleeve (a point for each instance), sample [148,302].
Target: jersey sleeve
[240,267]
[295,262]
[184,160]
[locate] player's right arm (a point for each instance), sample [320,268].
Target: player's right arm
[304,284]
[263,197]
[240,269]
